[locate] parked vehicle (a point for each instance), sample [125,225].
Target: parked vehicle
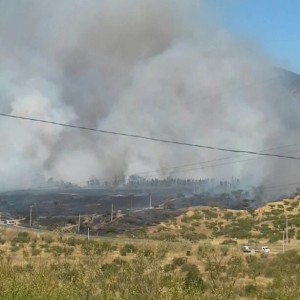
[263,249]
[246,249]
[9,222]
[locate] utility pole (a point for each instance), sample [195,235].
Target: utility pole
[150,201]
[79,223]
[88,233]
[287,230]
[283,241]
[112,212]
[30,215]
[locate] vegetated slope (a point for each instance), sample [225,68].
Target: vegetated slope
[266,223]
[57,266]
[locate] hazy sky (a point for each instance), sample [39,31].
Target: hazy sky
[274,24]
[159,68]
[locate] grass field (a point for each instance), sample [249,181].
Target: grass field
[59,266]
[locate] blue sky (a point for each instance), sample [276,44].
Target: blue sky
[274,24]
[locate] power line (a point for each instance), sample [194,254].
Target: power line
[182,168]
[282,185]
[175,168]
[149,138]
[210,166]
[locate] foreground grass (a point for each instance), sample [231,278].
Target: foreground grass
[64,267]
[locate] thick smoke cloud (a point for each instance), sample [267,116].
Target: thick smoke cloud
[150,67]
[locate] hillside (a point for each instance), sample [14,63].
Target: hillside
[36,265]
[266,223]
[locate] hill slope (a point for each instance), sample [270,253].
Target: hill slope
[266,223]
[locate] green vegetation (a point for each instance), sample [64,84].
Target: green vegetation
[75,268]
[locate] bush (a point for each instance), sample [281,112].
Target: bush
[274,237]
[128,248]
[209,214]
[229,242]
[14,248]
[35,251]
[115,266]
[179,261]
[194,236]
[169,268]
[23,237]
[47,239]
[250,290]
[147,253]
[193,278]
[294,222]
[228,215]
[72,241]
[164,236]
[57,250]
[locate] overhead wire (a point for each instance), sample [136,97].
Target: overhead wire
[175,168]
[161,172]
[148,138]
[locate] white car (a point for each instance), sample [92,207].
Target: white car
[246,249]
[265,249]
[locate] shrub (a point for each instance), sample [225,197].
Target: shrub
[104,247]
[209,214]
[250,290]
[72,241]
[35,251]
[229,216]
[14,248]
[193,278]
[23,237]
[229,242]
[194,236]
[164,236]
[128,248]
[57,250]
[295,204]
[179,261]
[294,222]
[114,266]
[47,239]
[147,253]
[169,268]
[275,237]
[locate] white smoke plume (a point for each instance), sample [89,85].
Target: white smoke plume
[151,67]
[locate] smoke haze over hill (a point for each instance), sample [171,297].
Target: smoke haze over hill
[149,67]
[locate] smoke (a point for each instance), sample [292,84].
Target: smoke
[149,67]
